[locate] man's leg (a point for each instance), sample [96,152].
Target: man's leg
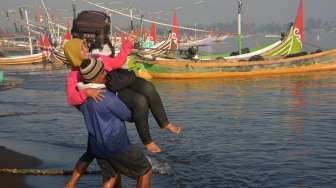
[145,180]
[81,166]
[118,182]
[134,164]
[110,178]
[113,182]
[109,183]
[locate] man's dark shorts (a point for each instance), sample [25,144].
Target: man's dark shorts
[104,165]
[133,163]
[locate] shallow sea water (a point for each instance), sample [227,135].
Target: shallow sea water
[272,131]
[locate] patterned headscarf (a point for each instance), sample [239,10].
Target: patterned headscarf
[72,51]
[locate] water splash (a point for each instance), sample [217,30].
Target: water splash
[159,166]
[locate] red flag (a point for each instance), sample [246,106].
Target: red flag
[42,46]
[47,45]
[153,31]
[175,31]
[67,36]
[299,26]
[46,40]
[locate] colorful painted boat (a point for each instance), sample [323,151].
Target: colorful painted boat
[57,56]
[186,69]
[23,60]
[275,60]
[294,42]
[291,44]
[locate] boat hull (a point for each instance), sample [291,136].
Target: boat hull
[23,60]
[187,69]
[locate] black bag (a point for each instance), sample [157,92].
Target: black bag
[93,26]
[119,79]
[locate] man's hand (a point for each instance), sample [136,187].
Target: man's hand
[96,94]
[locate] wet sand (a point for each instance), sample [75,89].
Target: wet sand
[12,159]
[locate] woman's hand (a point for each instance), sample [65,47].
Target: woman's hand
[96,94]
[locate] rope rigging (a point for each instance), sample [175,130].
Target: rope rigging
[144,20]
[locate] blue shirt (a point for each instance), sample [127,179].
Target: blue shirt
[105,123]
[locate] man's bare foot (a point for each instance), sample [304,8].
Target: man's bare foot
[152,147]
[173,128]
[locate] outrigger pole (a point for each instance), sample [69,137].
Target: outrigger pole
[28,28]
[240,6]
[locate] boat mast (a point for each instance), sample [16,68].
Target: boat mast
[141,30]
[240,6]
[28,28]
[111,26]
[50,26]
[131,13]
[74,9]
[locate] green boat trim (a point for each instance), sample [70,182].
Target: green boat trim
[291,45]
[227,54]
[1,76]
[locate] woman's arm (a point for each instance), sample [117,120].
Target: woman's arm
[111,63]
[77,97]
[74,96]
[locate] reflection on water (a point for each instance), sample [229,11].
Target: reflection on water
[271,131]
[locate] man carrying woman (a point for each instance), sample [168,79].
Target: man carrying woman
[139,98]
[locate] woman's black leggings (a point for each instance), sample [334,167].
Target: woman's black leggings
[139,97]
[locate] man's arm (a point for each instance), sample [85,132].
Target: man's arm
[116,106]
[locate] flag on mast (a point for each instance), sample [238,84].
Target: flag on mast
[153,31]
[299,26]
[175,31]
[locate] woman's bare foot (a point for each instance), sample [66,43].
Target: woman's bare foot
[173,128]
[152,147]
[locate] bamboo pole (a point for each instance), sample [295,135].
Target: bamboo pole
[29,34]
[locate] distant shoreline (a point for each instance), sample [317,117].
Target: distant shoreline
[12,159]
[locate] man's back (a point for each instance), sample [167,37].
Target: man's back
[105,124]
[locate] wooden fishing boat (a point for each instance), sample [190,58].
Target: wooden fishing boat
[291,43]
[186,69]
[23,60]
[57,56]
[273,60]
